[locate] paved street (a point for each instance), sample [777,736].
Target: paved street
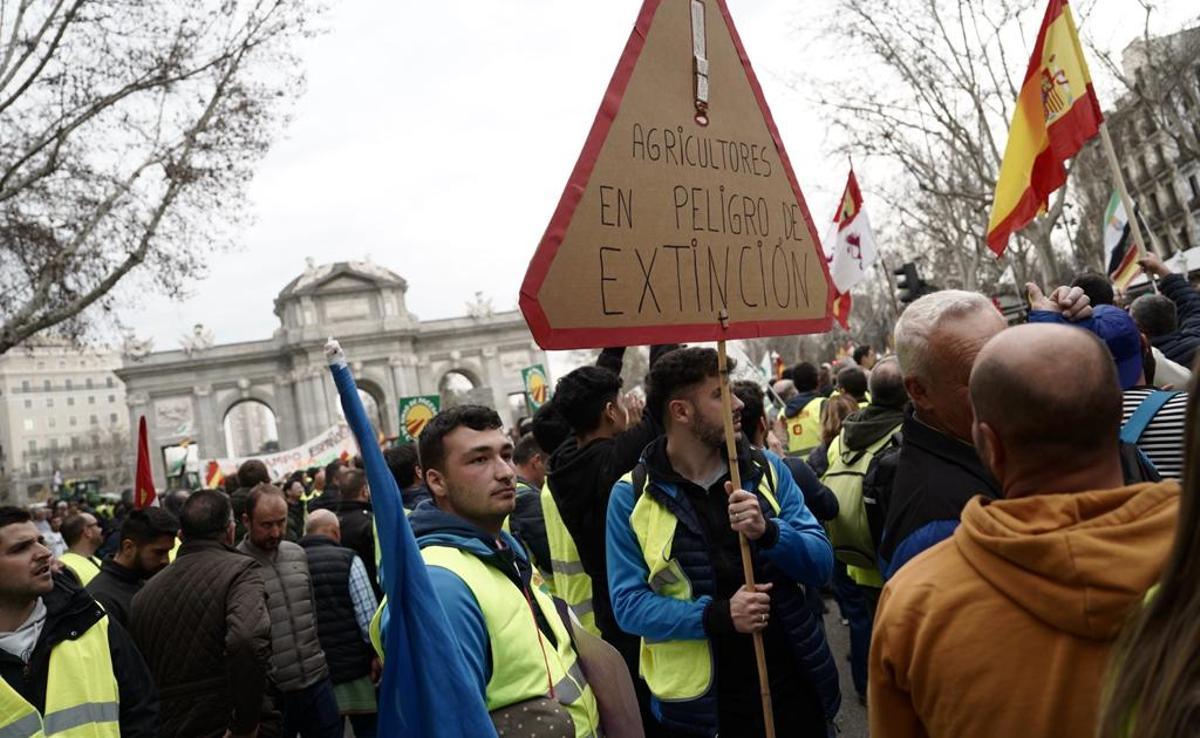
[853,717]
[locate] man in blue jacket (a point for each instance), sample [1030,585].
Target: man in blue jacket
[514,641]
[675,573]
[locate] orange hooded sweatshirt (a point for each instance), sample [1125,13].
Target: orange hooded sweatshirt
[1005,629]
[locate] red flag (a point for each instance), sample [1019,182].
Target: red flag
[143,485]
[842,302]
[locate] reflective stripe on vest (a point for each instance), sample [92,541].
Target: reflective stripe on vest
[82,697]
[83,566]
[520,652]
[804,428]
[571,583]
[675,671]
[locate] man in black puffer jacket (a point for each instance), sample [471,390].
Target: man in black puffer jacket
[1171,320]
[345,605]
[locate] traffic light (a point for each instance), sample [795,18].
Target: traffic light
[909,285]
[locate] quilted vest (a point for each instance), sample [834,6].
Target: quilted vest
[297,660]
[348,655]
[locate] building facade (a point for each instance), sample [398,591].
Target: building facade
[63,419]
[198,396]
[1157,133]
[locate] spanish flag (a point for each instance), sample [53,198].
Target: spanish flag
[1056,113]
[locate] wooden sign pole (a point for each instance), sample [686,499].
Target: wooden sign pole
[760,656]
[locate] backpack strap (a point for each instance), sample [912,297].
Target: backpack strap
[1133,428]
[760,458]
[639,481]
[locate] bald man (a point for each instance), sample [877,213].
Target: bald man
[345,604]
[1005,629]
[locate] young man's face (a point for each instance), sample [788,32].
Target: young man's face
[153,557]
[24,563]
[267,525]
[478,482]
[707,418]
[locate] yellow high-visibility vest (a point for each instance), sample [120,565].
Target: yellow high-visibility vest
[804,428]
[571,582]
[675,671]
[85,567]
[82,696]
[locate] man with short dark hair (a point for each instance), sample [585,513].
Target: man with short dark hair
[406,469]
[864,356]
[526,521]
[146,539]
[483,579]
[1178,335]
[801,419]
[1038,583]
[250,474]
[83,536]
[298,667]
[66,668]
[675,571]
[852,381]
[356,519]
[345,605]
[212,683]
[1096,286]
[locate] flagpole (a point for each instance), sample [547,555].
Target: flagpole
[1127,203]
[760,654]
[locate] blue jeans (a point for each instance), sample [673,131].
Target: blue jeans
[312,712]
[856,607]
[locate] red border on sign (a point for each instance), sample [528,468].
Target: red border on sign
[566,338]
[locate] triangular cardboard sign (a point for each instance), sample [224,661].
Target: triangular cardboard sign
[669,221]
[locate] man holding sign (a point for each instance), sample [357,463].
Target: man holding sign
[675,574]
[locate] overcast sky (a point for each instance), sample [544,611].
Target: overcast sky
[437,137]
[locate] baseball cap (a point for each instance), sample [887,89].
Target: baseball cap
[1116,328]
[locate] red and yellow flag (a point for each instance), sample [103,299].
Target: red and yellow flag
[213,476]
[143,479]
[1056,113]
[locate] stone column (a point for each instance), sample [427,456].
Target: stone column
[287,421]
[494,377]
[209,431]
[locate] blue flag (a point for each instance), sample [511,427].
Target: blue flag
[426,691]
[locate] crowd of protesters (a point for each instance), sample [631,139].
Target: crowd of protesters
[1006,518]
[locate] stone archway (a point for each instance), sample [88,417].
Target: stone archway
[374,401]
[456,385]
[250,428]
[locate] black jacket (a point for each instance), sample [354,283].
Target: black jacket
[581,480]
[346,652]
[935,477]
[1181,345]
[114,588]
[70,612]
[529,526]
[817,497]
[358,534]
[295,521]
